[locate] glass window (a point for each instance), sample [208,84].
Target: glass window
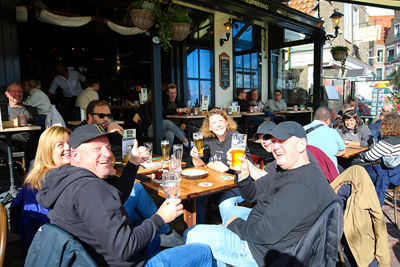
[348,25]
[390,54]
[397,31]
[379,55]
[205,71]
[398,51]
[193,64]
[379,74]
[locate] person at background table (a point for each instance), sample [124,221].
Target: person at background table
[90,209]
[36,98]
[26,215]
[287,203]
[320,135]
[171,105]
[277,103]
[353,130]
[70,82]
[349,105]
[21,140]
[388,150]
[144,119]
[89,94]
[259,105]
[99,112]
[245,107]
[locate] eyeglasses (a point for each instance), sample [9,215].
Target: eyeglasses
[15,91]
[103,115]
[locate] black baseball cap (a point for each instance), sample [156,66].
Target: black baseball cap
[85,133]
[264,127]
[285,130]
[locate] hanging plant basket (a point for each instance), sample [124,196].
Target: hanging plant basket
[339,55]
[143,19]
[180,31]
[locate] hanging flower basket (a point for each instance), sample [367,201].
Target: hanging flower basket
[143,19]
[339,55]
[180,31]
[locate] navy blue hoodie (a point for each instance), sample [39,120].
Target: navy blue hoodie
[91,209]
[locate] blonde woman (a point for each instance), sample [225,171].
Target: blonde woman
[26,214]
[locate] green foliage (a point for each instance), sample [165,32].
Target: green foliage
[181,17]
[143,4]
[339,48]
[163,24]
[394,99]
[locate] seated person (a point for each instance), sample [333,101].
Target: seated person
[100,222]
[353,130]
[171,105]
[259,105]
[277,103]
[388,149]
[89,94]
[26,215]
[375,127]
[22,140]
[37,99]
[144,118]
[245,107]
[276,222]
[99,112]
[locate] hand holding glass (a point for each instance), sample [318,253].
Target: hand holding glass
[238,148]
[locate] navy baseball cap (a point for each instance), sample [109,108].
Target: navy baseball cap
[285,130]
[264,127]
[85,133]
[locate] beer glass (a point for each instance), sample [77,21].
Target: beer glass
[149,146]
[238,148]
[170,185]
[177,151]
[127,156]
[165,149]
[198,142]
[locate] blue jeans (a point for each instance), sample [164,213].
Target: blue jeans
[170,130]
[226,246]
[140,206]
[188,255]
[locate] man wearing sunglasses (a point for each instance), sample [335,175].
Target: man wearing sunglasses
[98,112]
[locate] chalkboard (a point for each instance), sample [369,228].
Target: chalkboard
[224,75]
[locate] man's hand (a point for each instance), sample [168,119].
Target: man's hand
[115,127]
[231,219]
[136,118]
[138,154]
[243,172]
[170,209]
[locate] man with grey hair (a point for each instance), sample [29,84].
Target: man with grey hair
[319,134]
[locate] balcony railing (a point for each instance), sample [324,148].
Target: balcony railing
[397,36]
[390,58]
[370,61]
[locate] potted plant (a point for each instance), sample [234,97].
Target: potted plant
[340,53]
[181,23]
[142,14]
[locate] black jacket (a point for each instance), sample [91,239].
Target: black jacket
[91,210]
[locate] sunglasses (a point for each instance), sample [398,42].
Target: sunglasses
[103,115]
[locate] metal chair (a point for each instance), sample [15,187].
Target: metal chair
[393,193]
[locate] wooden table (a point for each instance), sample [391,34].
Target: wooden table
[351,151]
[8,130]
[189,191]
[248,114]
[296,113]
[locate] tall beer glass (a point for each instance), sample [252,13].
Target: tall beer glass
[238,148]
[165,149]
[198,142]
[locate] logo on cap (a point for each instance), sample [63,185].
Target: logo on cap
[100,128]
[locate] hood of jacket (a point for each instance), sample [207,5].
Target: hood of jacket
[57,180]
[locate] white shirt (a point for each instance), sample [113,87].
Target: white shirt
[85,97]
[39,100]
[275,105]
[71,87]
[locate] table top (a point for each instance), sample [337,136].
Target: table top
[191,189]
[251,113]
[75,123]
[7,128]
[145,171]
[124,107]
[351,151]
[291,111]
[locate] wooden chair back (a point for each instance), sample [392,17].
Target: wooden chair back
[394,195]
[3,233]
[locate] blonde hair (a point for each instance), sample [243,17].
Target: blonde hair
[205,128]
[44,155]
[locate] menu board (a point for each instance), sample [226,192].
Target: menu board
[224,74]
[371,97]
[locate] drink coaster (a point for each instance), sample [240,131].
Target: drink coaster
[205,184]
[227,178]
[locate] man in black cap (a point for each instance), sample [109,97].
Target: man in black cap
[89,208]
[289,199]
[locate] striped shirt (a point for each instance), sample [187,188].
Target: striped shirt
[388,147]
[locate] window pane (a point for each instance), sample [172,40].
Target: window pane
[239,79]
[246,81]
[205,88]
[239,61]
[193,90]
[205,64]
[254,61]
[254,79]
[193,64]
[246,61]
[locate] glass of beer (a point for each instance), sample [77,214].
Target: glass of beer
[149,147]
[171,186]
[238,148]
[198,142]
[165,149]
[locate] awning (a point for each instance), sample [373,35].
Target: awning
[391,4]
